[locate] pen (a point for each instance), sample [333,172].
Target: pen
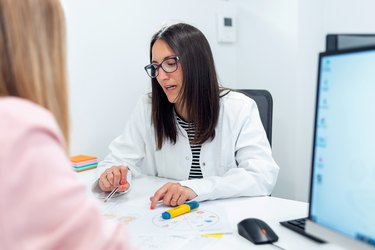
[111,194]
[179,210]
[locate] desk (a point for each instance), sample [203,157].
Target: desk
[270,209]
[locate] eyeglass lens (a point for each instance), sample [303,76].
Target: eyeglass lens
[169,65]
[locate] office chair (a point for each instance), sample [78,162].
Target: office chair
[263,99]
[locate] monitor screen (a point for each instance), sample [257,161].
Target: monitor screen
[342,196]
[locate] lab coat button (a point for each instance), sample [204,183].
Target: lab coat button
[203,164]
[187,158]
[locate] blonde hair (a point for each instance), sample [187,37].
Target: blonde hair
[32,55]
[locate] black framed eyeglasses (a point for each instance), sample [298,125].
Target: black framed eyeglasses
[169,65]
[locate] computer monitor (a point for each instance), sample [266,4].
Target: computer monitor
[342,195]
[336,42]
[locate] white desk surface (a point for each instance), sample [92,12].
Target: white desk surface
[272,210]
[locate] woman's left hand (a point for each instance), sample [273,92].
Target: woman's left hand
[172,194]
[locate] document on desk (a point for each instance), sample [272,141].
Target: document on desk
[175,242]
[209,218]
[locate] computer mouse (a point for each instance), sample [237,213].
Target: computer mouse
[256,231]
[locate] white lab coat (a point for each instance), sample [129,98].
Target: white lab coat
[238,162]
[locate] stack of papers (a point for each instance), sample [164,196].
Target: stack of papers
[83,162]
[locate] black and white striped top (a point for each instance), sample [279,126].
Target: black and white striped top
[195,170]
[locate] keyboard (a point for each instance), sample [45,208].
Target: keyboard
[298,226]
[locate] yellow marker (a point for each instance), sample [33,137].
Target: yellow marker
[179,210]
[216,236]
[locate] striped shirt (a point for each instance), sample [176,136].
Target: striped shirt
[195,170]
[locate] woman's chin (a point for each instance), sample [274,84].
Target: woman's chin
[172,99]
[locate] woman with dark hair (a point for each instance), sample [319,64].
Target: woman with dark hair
[210,140]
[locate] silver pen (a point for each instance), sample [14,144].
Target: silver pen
[111,194]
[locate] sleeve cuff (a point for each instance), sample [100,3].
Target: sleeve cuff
[202,187]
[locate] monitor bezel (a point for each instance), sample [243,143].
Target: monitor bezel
[336,39]
[312,227]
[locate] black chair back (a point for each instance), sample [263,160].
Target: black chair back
[264,101]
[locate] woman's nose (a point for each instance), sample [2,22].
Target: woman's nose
[162,75]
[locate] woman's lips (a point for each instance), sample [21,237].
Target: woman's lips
[170,87]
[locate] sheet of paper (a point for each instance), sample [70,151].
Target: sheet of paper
[140,220]
[173,242]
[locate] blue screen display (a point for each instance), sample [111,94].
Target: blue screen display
[343,188]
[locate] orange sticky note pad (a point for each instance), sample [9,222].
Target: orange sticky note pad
[80,158]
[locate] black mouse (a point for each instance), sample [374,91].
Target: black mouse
[256,231]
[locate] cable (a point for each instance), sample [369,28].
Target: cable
[278,246]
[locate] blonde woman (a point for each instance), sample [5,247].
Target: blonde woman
[43,205]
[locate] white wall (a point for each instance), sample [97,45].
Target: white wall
[108,46]
[266,57]
[277,48]
[311,41]
[316,19]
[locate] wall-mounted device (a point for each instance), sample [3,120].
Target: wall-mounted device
[226,23]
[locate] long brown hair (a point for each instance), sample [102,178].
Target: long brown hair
[200,93]
[32,55]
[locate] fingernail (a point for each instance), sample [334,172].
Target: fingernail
[151,207]
[123,182]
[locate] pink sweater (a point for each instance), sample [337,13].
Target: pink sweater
[42,203]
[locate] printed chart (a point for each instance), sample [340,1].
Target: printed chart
[196,220]
[142,221]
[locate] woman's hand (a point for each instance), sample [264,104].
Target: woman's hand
[113,177]
[172,194]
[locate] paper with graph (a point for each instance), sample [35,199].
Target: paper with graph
[140,220]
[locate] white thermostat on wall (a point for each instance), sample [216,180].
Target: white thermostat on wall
[226,26]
